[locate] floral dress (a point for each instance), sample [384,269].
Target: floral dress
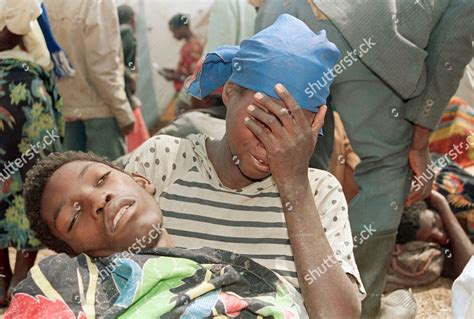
[31,127]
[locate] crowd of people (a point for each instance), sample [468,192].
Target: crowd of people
[320,162]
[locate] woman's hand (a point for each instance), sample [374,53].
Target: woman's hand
[288,136]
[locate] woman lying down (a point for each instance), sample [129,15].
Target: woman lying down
[147,278]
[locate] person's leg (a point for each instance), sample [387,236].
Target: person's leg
[372,116]
[382,139]
[23,263]
[105,138]
[75,136]
[5,276]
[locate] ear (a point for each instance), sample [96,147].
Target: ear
[144,183]
[227,92]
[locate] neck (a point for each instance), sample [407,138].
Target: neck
[165,240]
[220,156]
[188,35]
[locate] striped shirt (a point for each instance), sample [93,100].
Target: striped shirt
[201,212]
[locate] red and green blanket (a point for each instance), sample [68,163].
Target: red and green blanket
[158,283]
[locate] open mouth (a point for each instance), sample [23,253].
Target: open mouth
[261,164]
[119,215]
[120,211]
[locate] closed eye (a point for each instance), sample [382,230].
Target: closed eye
[102,179]
[75,217]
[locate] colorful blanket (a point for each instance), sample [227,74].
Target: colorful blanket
[455,133]
[157,283]
[457,185]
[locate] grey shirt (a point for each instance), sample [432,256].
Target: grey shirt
[422,45]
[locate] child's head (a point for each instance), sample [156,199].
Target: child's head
[287,52]
[421,224]
[179,25]
[81,203]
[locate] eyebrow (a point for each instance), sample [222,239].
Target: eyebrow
[57,211]
[84,170]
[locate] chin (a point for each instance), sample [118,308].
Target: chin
[253,174]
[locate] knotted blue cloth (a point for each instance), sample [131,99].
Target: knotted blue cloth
[286,52]
[62,65]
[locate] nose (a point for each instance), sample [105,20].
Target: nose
[95,201]
[103,202]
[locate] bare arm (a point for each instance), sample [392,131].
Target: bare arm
[289,142]
[462,247]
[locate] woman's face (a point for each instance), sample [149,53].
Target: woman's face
[432,228]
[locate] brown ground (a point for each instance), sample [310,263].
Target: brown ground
[434,301]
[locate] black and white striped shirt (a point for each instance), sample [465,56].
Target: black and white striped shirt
[200,212]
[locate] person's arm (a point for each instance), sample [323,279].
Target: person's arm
[289,142]
[462,247]
[419,158]
[449,51]
[104,60]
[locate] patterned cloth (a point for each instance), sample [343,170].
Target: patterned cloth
[456,128]
[189,56]
[457,185]
[159,283]
[30,126]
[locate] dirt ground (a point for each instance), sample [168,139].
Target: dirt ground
[433,301]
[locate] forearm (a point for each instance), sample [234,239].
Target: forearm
[333,294]
[449,50]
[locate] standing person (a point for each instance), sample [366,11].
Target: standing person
[397,72]
[190,53]
[30,128]
[140,132]
[97,112]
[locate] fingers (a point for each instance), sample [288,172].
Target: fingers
[259,130]
[281,113]
[268,119]
[291,103]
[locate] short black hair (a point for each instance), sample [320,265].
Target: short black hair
[33,188]
[410,222]
[125,14]
[180,20]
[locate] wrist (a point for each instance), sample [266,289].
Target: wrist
[292,184]
[421,138]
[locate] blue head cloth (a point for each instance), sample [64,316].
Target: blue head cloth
[286,52]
